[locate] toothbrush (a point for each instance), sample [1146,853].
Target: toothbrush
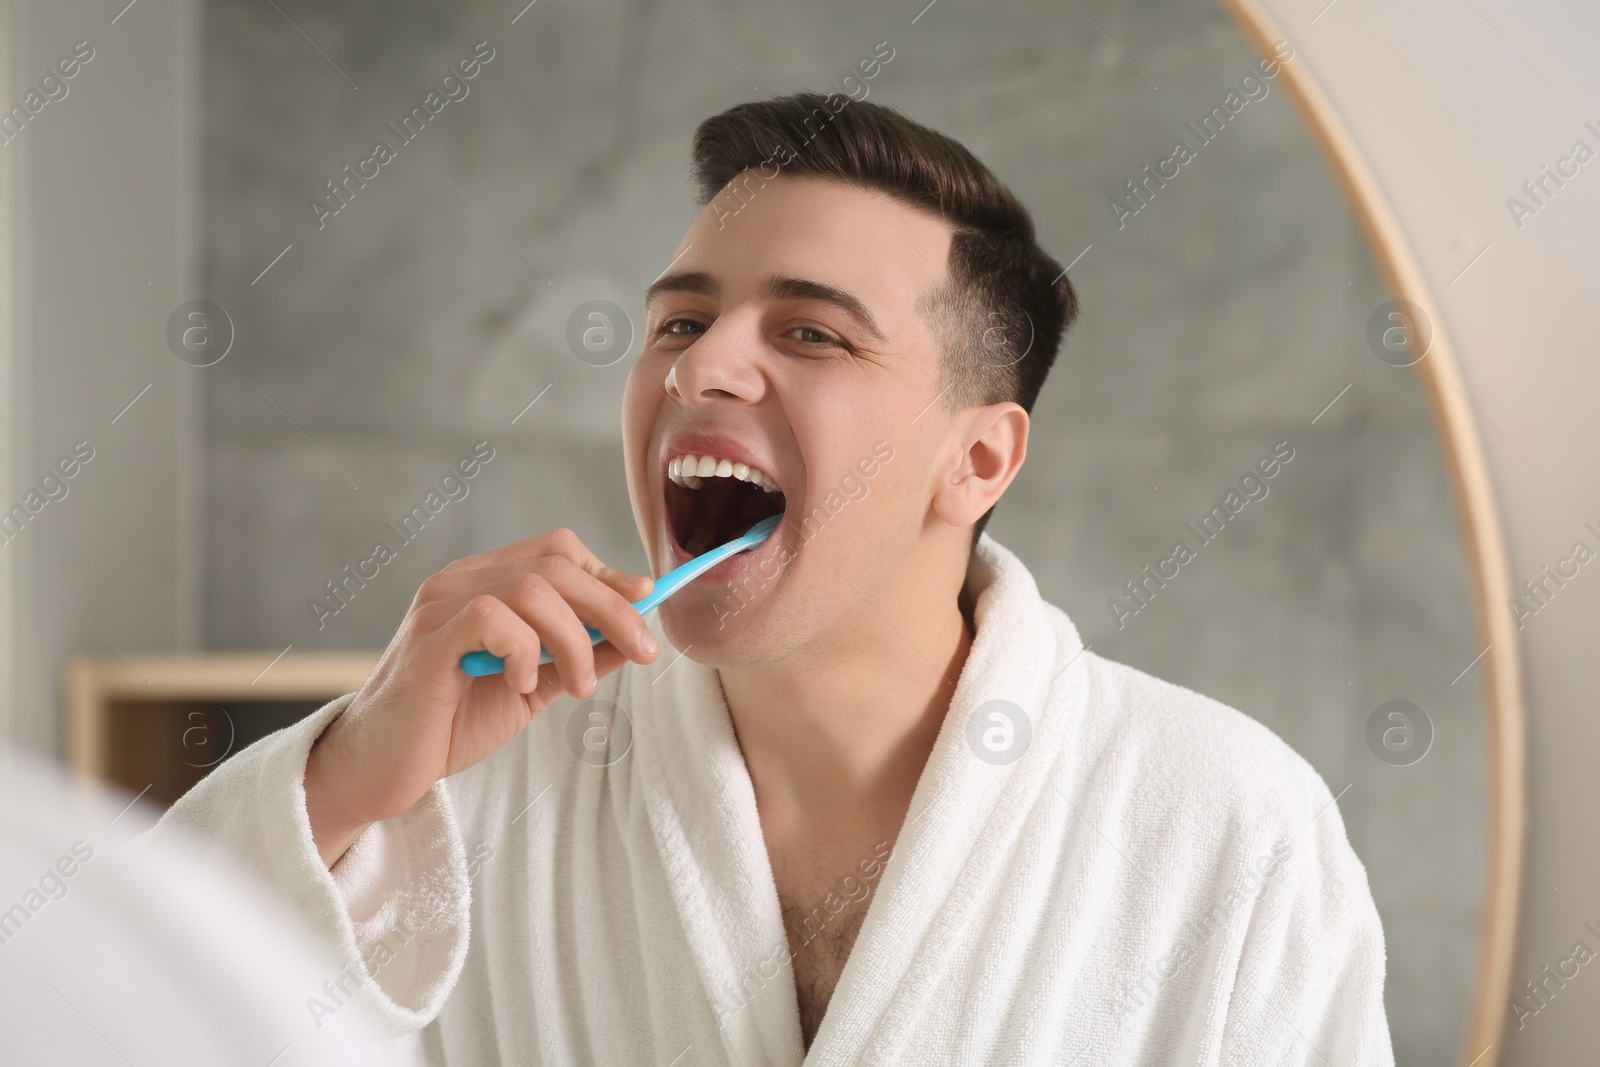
[479,664]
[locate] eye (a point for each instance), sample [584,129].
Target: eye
[820,337]
[666,328]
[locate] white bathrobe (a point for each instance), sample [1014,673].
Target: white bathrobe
[1157,879]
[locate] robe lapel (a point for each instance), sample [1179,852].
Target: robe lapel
[702,810]
[965,815]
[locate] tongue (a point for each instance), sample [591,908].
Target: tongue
[723,509]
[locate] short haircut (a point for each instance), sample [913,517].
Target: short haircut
[1005,305]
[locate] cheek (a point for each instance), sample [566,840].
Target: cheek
[641,401]
[904,484]
[641,407]
[890,488]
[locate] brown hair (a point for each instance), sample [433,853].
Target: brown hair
[1001,313]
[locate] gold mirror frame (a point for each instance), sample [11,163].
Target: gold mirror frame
[1480,522]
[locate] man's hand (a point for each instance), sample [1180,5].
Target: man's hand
[420,718]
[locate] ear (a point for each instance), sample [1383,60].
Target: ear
[988,445]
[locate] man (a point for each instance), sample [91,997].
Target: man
[879,805]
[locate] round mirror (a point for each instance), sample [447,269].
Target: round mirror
[1245,380]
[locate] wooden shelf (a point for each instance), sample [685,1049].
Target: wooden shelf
[158,724]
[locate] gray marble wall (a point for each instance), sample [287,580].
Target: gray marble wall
[99,220]
[1221,319]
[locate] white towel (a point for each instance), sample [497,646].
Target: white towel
[1156,879]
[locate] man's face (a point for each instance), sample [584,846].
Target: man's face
[795,349]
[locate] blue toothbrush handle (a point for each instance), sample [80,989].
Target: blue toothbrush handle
[481,664]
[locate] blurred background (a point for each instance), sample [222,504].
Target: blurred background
[345,361]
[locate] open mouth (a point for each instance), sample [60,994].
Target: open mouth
[711,500]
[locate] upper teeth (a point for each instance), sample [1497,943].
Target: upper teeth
[691,471]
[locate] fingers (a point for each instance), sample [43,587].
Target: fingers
[543,606]
[537,595]
[521,611]
[627,584]
[489,623]
[564,543]
[599,605]
[527,585]
[607,658]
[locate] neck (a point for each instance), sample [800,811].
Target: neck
[836,737]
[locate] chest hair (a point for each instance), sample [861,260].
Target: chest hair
[820,941]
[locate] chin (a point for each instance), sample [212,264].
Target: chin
[732,615]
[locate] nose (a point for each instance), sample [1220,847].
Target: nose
[720,364]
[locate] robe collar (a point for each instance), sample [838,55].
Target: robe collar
[962,819]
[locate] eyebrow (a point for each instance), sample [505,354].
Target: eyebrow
[774,287]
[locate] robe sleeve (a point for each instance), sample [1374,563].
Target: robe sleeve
[1309,986]
[394,908]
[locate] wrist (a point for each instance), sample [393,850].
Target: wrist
[333,830]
